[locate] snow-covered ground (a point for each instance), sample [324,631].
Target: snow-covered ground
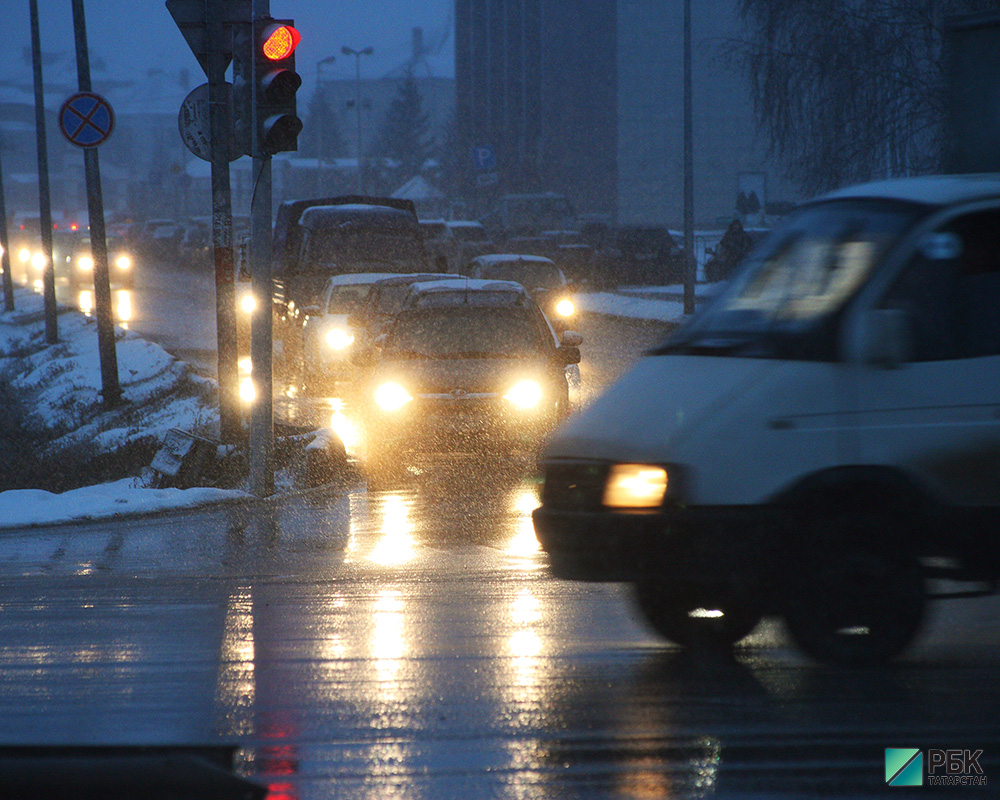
[63,382]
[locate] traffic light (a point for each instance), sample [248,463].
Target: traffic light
[276,124]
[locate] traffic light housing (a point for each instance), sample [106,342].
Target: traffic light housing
[275,82]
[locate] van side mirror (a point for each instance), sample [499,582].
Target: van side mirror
[883,338]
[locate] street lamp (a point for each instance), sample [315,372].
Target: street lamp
[349,51]
[322,133]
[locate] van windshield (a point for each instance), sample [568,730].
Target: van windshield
[803,273]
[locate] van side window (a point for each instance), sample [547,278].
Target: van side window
[953,296]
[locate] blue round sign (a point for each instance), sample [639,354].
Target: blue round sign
[86,119]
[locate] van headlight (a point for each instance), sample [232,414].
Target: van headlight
[86,263]
[565,308]
[338,338]
[635,486]
[123,262]
[248,303]
[525,394]
[390,396]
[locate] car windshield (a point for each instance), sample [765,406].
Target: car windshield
[470,332]
[530,274]
[468,233]
[432,230]
[348,298]
[804,272]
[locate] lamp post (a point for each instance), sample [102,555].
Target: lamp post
[322,133]
[690,265]
[349,51]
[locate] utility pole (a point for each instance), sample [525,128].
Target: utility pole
[110,387]
[367,51]
[690,265]
[44,200]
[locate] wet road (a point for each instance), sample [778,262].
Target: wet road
[411,644]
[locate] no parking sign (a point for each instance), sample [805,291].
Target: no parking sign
[86,119]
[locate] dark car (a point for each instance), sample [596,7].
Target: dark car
[384,300]
[467,365]
[544,281]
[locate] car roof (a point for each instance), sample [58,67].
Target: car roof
[468,287]
[464,223]
[930,189]
[511,258]
[456,284]
[415,277]
[359,278]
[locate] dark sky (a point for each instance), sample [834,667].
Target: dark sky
[134,35]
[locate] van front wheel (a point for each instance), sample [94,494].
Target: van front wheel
[705,622]
[855,603]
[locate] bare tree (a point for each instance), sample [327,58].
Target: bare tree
[404,137]
[849,90]
[321,136]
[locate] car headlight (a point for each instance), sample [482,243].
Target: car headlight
[635,486]
[86,263]
[391,396]
[248,303]
[24,255]
[38,261]
[123,262]
[565,307]
[525,394]
[338,338]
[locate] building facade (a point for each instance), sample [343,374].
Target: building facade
[585,98]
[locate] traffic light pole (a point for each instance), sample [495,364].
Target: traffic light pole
[261,331]
[261,334]
[222,222]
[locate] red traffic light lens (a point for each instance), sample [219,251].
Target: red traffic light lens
[280,42]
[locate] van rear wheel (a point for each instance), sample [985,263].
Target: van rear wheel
[856,603]
[697,621]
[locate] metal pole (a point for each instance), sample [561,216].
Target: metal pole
[357,107]
[261,332]
[8,282]
[111,388]
[261,335]
[222,222]
[690,265]
[44,200]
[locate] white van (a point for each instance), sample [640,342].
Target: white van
[818,443]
